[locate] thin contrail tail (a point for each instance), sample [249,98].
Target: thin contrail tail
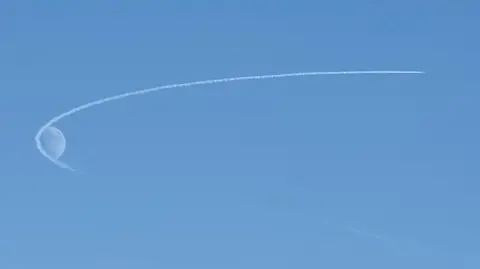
[63,165]
[190,84]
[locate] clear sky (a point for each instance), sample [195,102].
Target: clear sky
[319,172]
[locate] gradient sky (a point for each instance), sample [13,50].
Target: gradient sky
[320,172]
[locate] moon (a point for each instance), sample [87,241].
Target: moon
[54,142]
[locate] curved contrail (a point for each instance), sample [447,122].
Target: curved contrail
[189,84]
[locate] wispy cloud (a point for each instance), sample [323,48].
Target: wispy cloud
[354,230]
[390,240]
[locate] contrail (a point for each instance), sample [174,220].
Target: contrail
[189,84]
[62,164]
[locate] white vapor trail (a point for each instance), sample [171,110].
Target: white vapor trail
[189,84]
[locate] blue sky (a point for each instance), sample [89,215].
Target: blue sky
[318,172]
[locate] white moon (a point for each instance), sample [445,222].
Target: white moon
[54,142]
